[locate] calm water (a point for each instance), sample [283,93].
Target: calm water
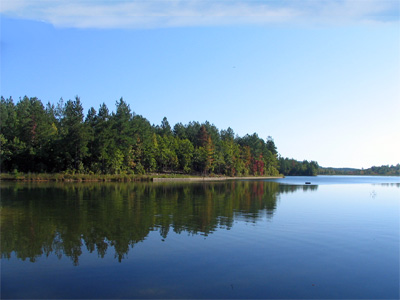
[335,238]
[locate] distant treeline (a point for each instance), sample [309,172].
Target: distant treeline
[382,170]
[60,138]
[291,167]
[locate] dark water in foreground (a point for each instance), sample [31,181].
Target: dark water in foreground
[335,238]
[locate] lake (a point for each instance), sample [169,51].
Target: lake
[335,238]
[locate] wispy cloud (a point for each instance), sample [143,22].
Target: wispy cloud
[170,13]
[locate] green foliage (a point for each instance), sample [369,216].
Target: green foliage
[8,118]
[59,138]
[185,151]
[393,170]
[74,135]
[293,167]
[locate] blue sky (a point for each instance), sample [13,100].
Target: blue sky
[320,77]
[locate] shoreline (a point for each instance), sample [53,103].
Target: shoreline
[58,177]
[200,179]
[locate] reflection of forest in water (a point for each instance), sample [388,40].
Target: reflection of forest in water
[39,219]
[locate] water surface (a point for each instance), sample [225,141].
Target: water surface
[335,238]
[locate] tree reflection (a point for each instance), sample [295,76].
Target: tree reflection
[40,219]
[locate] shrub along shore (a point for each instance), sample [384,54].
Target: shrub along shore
[60,177]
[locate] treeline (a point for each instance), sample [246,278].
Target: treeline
[393,170]
[60,138]
[291,167]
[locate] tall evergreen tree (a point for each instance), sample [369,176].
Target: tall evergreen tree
[74,135]
[105,144]
[123,134]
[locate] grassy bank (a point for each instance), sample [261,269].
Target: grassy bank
[71,177]
[222,178]
[59,177]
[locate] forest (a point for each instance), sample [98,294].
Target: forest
[60,138]
[292,167]
[393,170]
